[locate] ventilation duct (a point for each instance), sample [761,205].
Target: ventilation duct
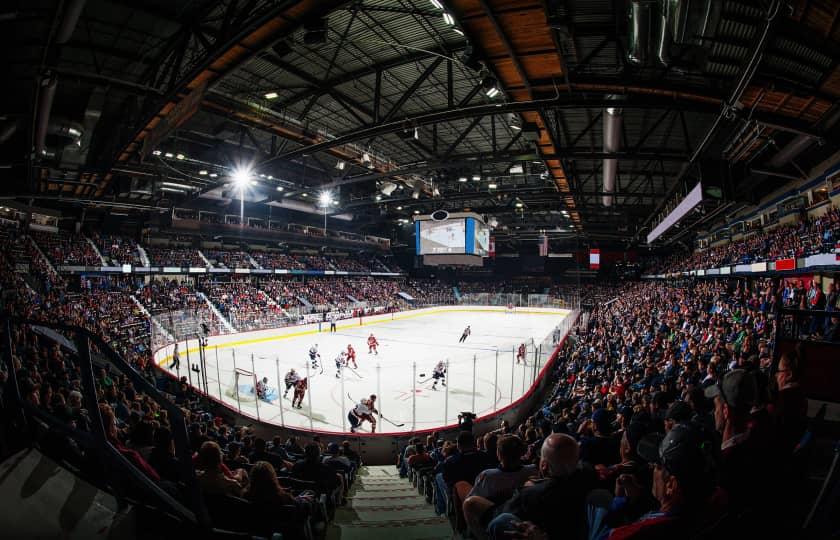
[76,154]
[612,143]
[639,31]
[69,21]
[45,102]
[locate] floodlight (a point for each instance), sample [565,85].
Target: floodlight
[241,177]
[180,156]
[271,95]
[492,186]
[156,152]
[325,198]
[202,172]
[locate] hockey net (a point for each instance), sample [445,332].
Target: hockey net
[242,385]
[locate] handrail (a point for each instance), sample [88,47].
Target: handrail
[97,441]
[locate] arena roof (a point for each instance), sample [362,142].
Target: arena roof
[402,103]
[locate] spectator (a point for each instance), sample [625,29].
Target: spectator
[555,502]
[211,477]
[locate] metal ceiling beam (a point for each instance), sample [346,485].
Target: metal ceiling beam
[411,89]
[372,69]
[254,30]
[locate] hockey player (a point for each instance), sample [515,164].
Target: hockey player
[372,344]
[340,362]
[314,356]
[362,412]
[351,356]
[262,388]
[520,353]
[439,374]
[466,333]
[300,391]
[291,379]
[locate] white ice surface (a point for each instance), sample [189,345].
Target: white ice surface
[404,396]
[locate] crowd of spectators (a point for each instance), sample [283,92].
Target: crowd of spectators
[807,237]
[245,305]
[66,249]
[664,423]
[117,250]
[271,259]
[228,259]
[181,257]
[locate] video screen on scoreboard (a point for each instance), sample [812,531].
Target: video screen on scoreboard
[478,237]
[438,237]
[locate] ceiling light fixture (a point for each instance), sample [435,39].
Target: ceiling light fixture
[156,152]
[279,188]
[176,185]
[476,178]
[202,172]
[379,197]
[458,31]
[241,177]
[271,95]
[417,212]
[340,165]
[492,92]
[399,208]
[462,179]
[437,4]
[168,154]
[492,186]
[448,19]
[325,198]
[180,156]
[213,175]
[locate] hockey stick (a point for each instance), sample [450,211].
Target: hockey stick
[380,414]
[354,372]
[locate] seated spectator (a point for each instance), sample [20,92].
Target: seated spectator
[682,485]
[162,457]
[495,486]
[421,457]
[789,407]
[351,454]
[264,488]
[211,476]
[601,447]
[335,460]
[555,503]
[234,460]
[311,469]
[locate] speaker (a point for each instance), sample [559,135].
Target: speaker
[440,215]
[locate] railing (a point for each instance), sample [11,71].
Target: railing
[126,480]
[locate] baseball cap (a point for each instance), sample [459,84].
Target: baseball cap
[737,389]
[679,411]
[680,452]
[601,419]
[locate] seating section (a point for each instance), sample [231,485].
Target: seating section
[66,249]
[809,237]
[228,259]
[246,306]
[117,250]
[180,257]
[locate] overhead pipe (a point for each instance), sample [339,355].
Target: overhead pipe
[612,143]
[45,102]
[69,21]
[639,31]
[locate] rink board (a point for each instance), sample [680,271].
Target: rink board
[406,394]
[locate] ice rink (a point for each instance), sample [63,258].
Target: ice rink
[411,343]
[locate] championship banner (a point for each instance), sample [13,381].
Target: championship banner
[491,247]
[543,245]
[594,259]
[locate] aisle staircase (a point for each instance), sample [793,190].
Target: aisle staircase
[383,506]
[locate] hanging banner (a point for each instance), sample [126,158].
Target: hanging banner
[491,247]
[594,259]
[543,245]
